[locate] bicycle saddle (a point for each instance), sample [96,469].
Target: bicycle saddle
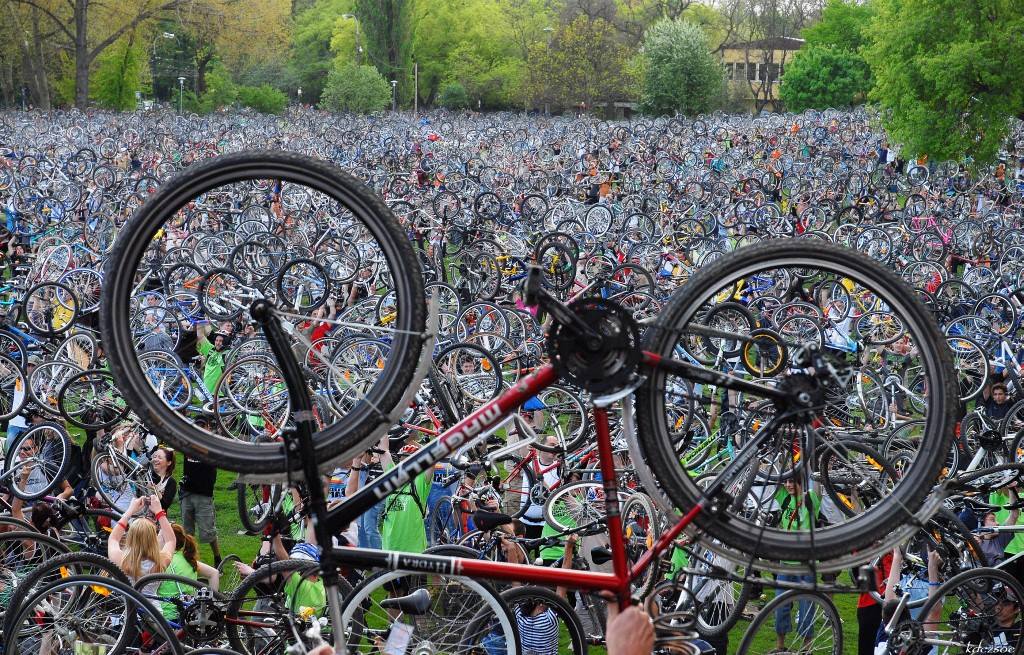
[415,603]
[487,521]
[600,555]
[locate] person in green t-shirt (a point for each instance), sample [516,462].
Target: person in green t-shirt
[302,589]
[1016,545]
[184,563]
[799,512]
[213,355]
[403,526]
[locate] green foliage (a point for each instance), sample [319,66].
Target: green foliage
[278,74]
[385,32]
[63,90]
[585,62]
[264,99]
[820,77]
[679,72]
[948,74]
[844,25]
[352,88]
[221,91]
[491,80]
[118,75]
[312,35]
[453,96]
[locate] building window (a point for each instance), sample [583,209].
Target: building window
[752,72]
[773,72]
[739,71]
[728,71]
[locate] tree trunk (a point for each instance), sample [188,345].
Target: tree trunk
[42,91]
[32,66]
[202,63]
[82,60]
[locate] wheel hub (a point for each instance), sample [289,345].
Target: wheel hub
[604,362]
[804,395]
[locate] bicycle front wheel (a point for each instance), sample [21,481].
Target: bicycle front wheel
[297,196]
[803,401]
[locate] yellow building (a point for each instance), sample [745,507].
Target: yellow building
[753,70]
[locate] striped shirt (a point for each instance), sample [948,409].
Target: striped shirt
[538,633]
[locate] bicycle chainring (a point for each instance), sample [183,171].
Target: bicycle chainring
[598,365]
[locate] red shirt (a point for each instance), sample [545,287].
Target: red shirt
[881,576]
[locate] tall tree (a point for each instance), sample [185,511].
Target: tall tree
[241,34]
[844,24]
[119,74]
[822,77]
[680,72]
[585,63]
[88,27]
[948,74]
[314,34]
[485,55]
[387,26]
[829,70]
[34,43]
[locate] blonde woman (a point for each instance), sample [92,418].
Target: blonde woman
[142,553]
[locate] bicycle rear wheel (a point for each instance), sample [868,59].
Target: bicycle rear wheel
[267,180]
[792,439]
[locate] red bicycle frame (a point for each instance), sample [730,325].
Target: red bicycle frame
[483,420]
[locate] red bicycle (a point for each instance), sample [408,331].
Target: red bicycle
[656,372]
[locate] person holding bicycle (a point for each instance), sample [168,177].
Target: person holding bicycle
[212,353]
[142,552]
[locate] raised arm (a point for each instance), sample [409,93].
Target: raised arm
[166,531]
[894,574]
[114,552]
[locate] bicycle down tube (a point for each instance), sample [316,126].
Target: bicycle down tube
[477,424]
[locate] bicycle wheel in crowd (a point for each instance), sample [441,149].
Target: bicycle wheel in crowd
[795,622]
[55,567]
[294,194]
[12,379]
[790,436]
[36,460]
[977,611]
[442,613]
[86,609]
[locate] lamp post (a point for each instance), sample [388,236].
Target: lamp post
[300,96]
[181,93]
[359,51]
[394,95]
[550,30]
[170,36]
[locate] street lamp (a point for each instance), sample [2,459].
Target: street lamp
[300,96]
[547,111]
[181,93]
[394,95]
[359,50]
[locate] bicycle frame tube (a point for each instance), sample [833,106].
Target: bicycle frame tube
[481,422]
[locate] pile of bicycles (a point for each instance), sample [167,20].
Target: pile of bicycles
[707,356]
